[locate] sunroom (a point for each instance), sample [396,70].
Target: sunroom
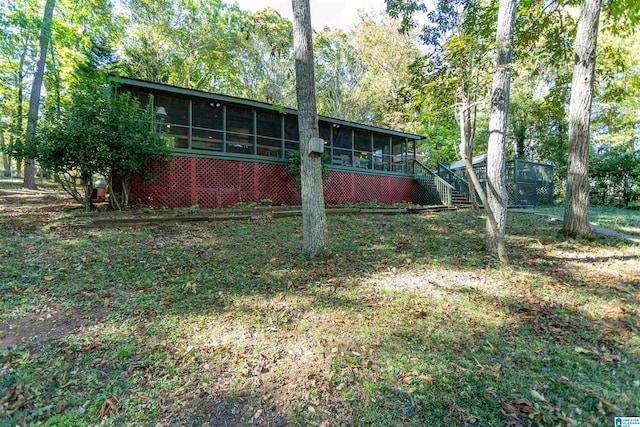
[231,150]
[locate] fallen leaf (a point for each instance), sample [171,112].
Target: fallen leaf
[106,302]
[50,277]
[107,406]
[610,357]
[538,395]
[582,350]
[257,414]
[606,403]
[525,406]
[506,407]
[311,409]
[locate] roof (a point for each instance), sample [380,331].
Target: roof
[251,103]
[482,158]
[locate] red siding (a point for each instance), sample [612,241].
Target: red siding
[212,183]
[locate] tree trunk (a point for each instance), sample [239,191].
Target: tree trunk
[19,124]
[467,138]
[576,213]
[475,182]
[314,221]
[34,102]
[6,159]
[496,187]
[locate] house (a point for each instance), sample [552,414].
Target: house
[230,150]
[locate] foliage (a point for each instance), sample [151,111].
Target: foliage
[188,43]
[79,44]
[189,322]
[100,133]
[267,44]
[615,175]
[293,167]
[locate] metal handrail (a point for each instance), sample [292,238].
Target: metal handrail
[455,180]
[442,187]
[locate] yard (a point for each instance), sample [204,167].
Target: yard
[224,323]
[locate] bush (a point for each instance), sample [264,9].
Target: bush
[100,132]
[293,167]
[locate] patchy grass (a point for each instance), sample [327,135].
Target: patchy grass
[623,220]
[226,324]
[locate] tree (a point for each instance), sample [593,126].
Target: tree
[266,44]
[615,173]
[576,214]
[188,43]
[100,133]
[337,72]
[36,87]
[314,221]
[496,186]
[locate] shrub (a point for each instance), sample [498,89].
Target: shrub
[100,132]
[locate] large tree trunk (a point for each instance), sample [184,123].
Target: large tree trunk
[496,187]
[36,87]
[576,213]
[314,221]
[466,143]
[6,158]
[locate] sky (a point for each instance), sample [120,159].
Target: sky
[333,13]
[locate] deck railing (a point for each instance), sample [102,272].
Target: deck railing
[434,190]
[453,179]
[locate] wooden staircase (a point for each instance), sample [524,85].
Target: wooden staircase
[460,200]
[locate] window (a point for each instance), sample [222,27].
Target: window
[172,117]
[175,107]
[206,140]
[362,153]
[269,134]
[207,114]
[240,132]
[381,152]
[399,160]
[291,134]
[342,154]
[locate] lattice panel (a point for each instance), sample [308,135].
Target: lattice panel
[212,183]
[426,191]
[348,187]
[537,193]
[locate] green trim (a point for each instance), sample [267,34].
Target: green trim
[275,161]
[369,171]
[255,104]
[227,156]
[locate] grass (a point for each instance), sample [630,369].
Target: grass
[409,323]
[623,220]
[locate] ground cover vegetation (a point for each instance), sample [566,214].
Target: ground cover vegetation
[228,324]
[407,322]
[623,220]
[370,73]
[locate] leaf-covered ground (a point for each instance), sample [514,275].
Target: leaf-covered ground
[408,323]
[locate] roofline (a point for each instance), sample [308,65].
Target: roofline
[256,104]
